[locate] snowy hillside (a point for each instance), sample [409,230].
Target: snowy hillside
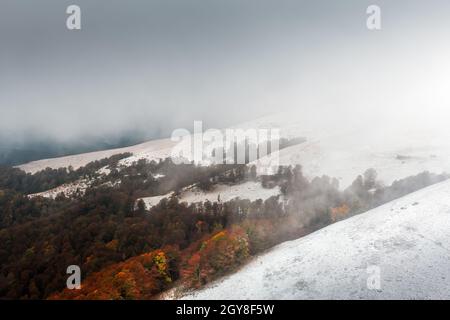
[334,148]
[68,189]
[152,150]
[247,190]
[344,150]
[407,239]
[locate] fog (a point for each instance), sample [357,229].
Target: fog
[159,65]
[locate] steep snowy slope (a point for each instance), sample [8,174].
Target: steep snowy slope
[407,239]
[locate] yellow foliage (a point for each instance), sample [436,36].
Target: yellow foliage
[161,264]
[219,235]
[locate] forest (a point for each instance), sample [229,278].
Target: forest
[127,251]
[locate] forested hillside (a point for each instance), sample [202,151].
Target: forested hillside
[128,252]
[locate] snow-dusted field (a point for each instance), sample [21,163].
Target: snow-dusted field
[337,148]
[152,150]
[68,189]
[407,239]
[153,201]
[334,158]
[344,150]
[248,190]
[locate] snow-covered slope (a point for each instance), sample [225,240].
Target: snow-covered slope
[248,190]
[407,241]
[68,189]
[152,150]
[396,148]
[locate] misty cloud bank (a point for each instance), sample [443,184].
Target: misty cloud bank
[152,66]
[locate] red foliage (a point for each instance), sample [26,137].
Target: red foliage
[215,256]
[140,277]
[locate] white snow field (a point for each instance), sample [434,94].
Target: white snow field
[248,190]
[341,149]
[153,201]
[152,150]
[407,239]
[68,189]
[344,150]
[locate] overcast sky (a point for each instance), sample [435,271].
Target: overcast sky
[160,64]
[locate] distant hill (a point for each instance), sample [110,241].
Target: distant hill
[14,152]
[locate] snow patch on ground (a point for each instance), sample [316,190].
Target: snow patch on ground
[250,190]
[153,201]
[104,171]
[68,189]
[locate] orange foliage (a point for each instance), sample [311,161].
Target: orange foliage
[139,277]
[148,274]
[112,245]
[339,213]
